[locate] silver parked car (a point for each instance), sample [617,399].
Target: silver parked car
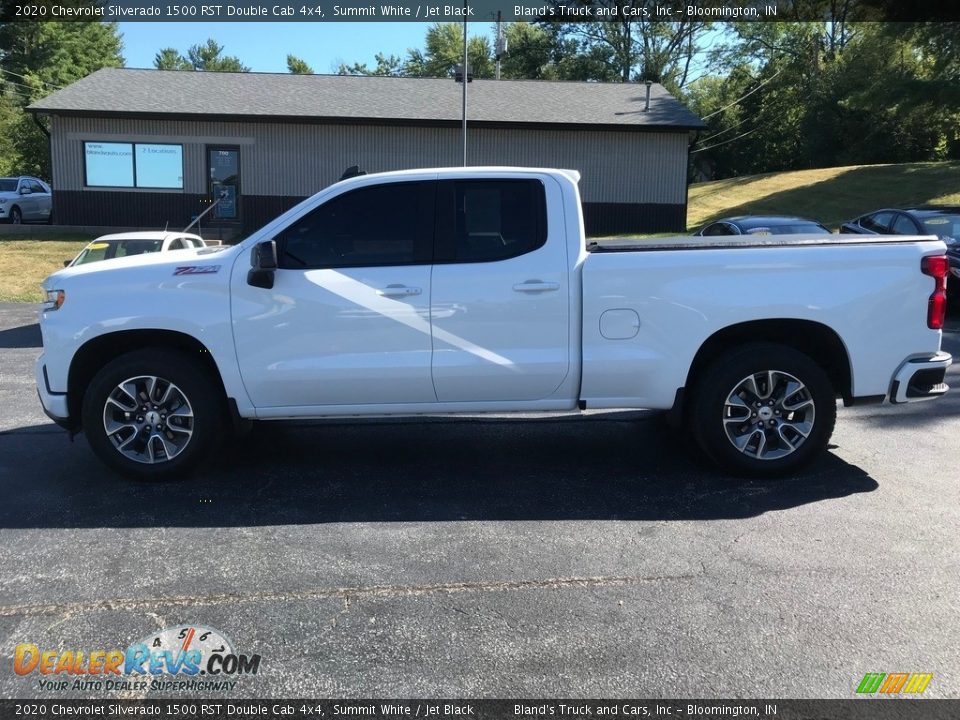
[25,199]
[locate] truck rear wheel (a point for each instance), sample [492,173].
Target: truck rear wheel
[763,410]
[152,414]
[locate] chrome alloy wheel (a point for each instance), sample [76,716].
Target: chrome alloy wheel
[768,415]
[148,419]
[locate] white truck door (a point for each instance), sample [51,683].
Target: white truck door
[500,291]
[347,321]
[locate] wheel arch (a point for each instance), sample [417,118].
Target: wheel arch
[816,340]
[98,351]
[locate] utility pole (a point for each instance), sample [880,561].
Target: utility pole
[465,80]
[500,46]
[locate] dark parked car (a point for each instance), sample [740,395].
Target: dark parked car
[762,225]
[942,221]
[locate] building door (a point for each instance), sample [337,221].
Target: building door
[223,178]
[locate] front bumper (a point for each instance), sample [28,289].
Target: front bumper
[921,379]
[54,404]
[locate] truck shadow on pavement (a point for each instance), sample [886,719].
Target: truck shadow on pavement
[609,466]
[25,336]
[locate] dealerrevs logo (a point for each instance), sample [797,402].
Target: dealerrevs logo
[187,651]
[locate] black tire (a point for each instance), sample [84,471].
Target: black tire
[190,379]
[710,420]
[16,217]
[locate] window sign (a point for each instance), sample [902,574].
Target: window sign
[122,165]
[227,195]
[109,164]
[159,166]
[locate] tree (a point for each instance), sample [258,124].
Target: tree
[170,59]
[298,66]
[386,65]
[199,57]
[536,51]
[444,53]
[636,44]
[530,53]
[37,59]
[48,55]
[806,95]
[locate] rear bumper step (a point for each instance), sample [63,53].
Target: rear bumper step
[921,379]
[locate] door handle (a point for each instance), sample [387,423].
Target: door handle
[399,291]
[534,286]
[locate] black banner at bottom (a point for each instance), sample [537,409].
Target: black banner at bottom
[214,709]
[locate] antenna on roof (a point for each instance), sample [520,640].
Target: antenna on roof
[352,171]
[166,225]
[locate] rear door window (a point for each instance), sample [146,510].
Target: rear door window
[878,222]
[903,225]
[490,220]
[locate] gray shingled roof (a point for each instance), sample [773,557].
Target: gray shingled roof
[271,96]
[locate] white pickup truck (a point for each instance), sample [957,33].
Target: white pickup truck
[473,290]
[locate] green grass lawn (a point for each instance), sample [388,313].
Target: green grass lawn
[24,263]
[830,195]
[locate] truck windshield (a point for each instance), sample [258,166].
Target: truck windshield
[8,184]
[96,251]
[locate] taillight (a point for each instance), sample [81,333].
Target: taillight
[936,266]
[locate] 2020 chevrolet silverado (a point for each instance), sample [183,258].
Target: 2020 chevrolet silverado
[473,290]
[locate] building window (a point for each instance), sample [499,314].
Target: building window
[127,165]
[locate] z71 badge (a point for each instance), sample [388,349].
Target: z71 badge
[196,269]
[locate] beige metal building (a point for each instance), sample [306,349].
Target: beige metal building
[148,147]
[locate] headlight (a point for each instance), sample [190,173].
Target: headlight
[55,299]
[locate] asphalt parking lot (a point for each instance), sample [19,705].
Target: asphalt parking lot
[550,556]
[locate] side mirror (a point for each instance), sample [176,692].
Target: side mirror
[25,191]
[263,265]
[66,263]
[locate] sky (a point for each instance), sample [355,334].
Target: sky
[263,46]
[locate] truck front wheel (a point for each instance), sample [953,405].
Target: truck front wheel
[763,409]
[152,414]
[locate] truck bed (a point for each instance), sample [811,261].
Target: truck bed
[727,242]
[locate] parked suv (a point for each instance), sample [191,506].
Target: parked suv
[25,199]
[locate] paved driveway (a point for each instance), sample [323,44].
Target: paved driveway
[545,556]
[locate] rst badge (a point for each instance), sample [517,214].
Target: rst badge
[196,269]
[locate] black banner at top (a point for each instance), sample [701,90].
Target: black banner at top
[477,10]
